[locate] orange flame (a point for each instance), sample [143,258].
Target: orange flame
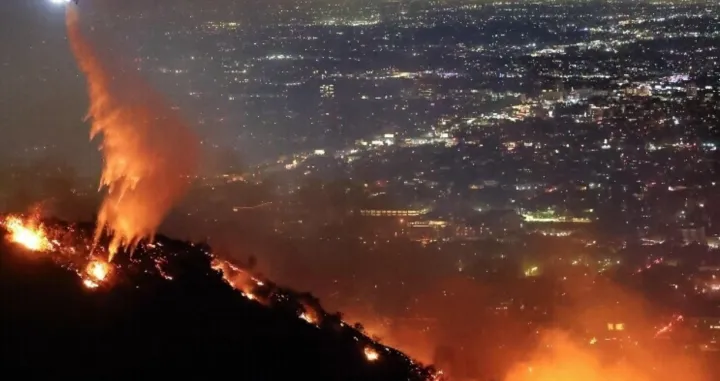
[96,273]
[149,155]
[98,270]
[33,236]
[89,283]
[308,317]
[371,354]
[30,235]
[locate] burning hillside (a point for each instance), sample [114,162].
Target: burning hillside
[169,304]
[165,304]
[149,154]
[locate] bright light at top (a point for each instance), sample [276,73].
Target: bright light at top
[60,1]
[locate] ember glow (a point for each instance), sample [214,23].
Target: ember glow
[561,358]
[238,278]
[149,154]
[96,273]
[371,354]
[98,270]
[28,234]
[308,317]
[72,248]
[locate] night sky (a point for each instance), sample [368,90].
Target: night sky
[43,101]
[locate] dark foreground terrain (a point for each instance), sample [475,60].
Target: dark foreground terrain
[140,323]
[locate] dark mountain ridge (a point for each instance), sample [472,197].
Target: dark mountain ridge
[165,308]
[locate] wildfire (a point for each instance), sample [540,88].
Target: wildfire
[98,270]
[308,318]
[96,273]
[149,154]
[34,236]
[560,359]
[80,256]
[371,354]
[28,234]
[89,283]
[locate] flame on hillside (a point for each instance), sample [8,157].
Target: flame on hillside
[149,154]
[371,354]
[238,278]
[33,236]
[96,272]
[309,317]
[68,247]
[29,234]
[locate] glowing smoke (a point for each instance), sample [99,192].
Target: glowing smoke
[559,358]
[149,154]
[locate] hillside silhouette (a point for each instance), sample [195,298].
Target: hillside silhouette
[142,321]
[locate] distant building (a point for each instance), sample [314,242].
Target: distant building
[640,91]
[694,235]
[644,91]
[596,113]
[705,326]
[466,232]
[706,281]
[552,96]
[427,230]
[394,212]
[713,242]
[327,91]
[495,222]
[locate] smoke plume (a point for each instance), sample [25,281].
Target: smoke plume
[149,154]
